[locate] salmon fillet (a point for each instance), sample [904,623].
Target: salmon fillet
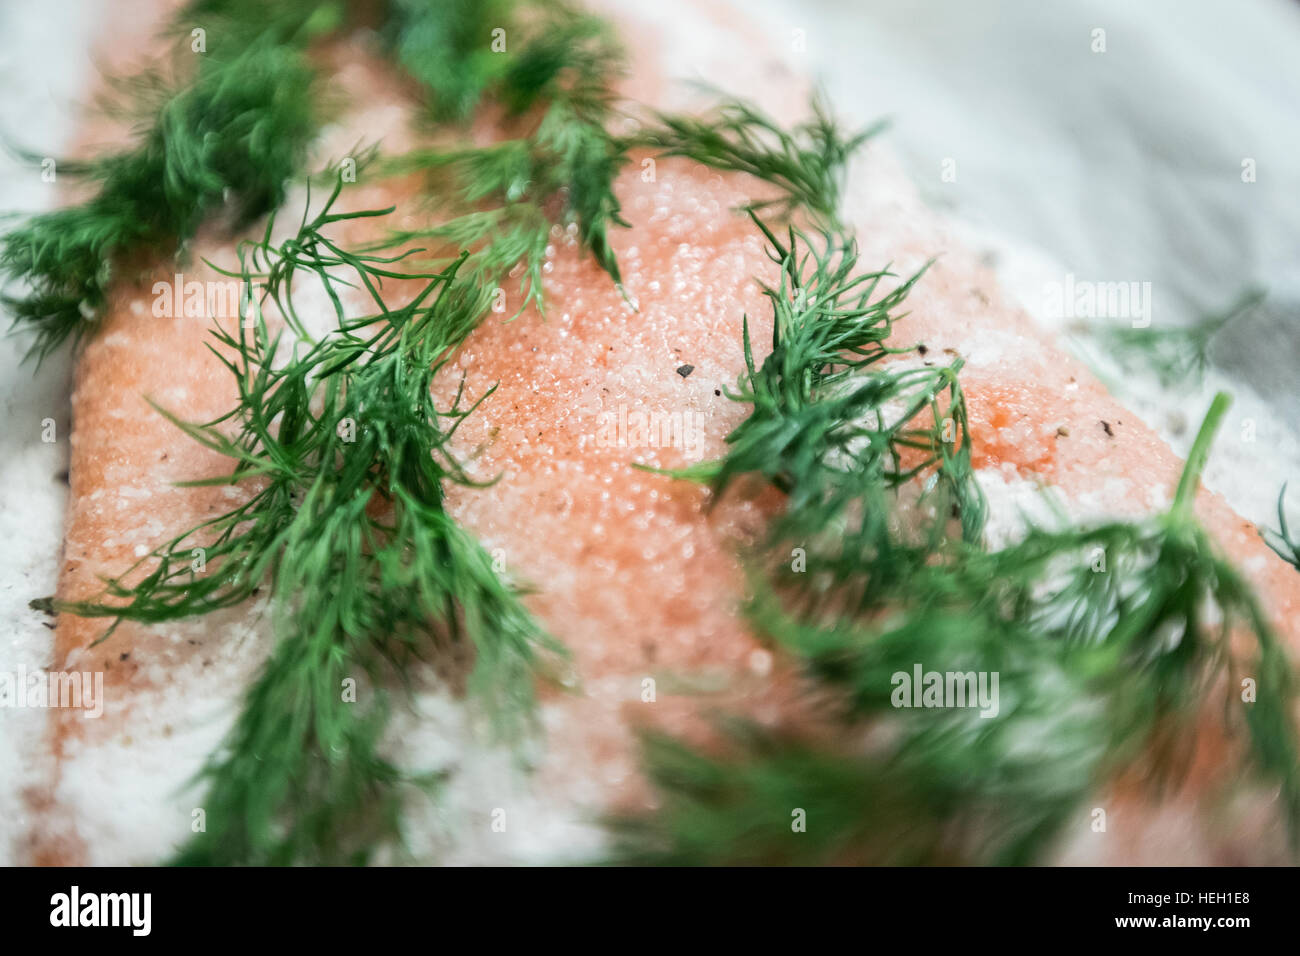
[629,569]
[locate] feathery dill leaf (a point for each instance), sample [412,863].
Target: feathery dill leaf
[555,78]
[552,71]
[1106,650]
[556,75]
[1283,545]
[1178,356]
[228,138]
[345,455]
[446,46]
[230,24]
[735,808]
[830,426]
[807,162]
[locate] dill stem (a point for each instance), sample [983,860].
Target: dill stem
[1197,457]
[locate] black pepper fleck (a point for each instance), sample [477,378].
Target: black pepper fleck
[684,370]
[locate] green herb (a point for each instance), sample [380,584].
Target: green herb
[347,456]
[447,47]
[558,82]
[1177,356]
[504,199]
[738,807]
[1283,545]
[807,162]
[227,139]
[1098,666]
[1106,641]
[341,446]
[825,417]
[344,456]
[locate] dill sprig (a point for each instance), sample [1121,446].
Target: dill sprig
[555,79]
[807,162]
[226,138]
[1107,641]
[1100,664]
[346,456]
[839,424]
[736,807]
[1283,545]
[446,47]
[1177,356]
[364,567]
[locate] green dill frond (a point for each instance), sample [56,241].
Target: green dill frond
[227,141]
[502,196]
[832,426]
[807,162]
[1107,642]
[229,24]
[742,807]
[1177,356]
[1283,545]
[520,52]
[347,456]
[446,45]
[555,77]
